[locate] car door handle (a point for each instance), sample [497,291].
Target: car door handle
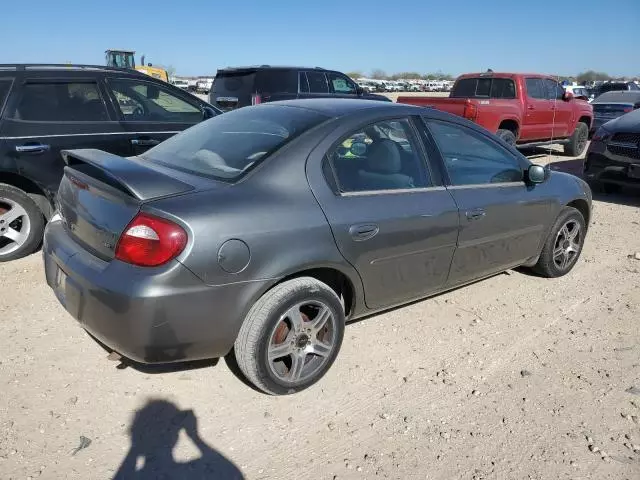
[144,142]
[363,232]
[531,107]
[475,214]
[33,148]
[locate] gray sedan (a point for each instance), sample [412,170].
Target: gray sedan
[265,229]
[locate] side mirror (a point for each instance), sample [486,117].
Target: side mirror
[536,174]
[208,112]
[567,96]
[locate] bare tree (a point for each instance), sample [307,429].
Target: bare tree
[378,74]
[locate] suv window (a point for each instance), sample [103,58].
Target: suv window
[340,84]
[535,88]
[146,101]
[472,159]
[381,156]
[228,145]
[554,90]
[61,102]
[5,86]
[317,82]
[277,81]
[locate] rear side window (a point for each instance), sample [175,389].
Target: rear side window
[535,88]
[277,81]
[228,145]
[61,102]
[5,87]
[484,87]
[317,82]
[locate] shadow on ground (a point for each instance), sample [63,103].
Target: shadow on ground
[154,433]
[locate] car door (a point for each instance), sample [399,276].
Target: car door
[561,111]
[151,111]
[44,116]
[390,216]
[502,219]
[538,116]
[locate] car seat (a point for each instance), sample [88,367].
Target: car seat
[384,164]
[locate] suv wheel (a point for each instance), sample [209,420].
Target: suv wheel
[21,224]
[291,336]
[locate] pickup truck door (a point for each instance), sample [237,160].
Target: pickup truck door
[562,111]
[538,115]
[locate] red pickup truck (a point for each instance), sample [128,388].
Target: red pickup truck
[522,109]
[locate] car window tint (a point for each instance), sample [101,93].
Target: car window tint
[317,82]
[5,86]
[381,156]
[484,87]
[145,101]
[61,102]
[553,89]
[535,88]
[277,81]
[503,88]
[341,84]
[465,87]
[473,159]
[228,145]
[303,85]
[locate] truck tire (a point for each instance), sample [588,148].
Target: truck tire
[507,135]
[578,141]
[291,336]
[21,224]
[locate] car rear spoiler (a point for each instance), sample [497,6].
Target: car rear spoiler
[127,174]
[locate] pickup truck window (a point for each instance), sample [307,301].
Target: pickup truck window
[472,159]
[554,90]
[535,88]
[484,87]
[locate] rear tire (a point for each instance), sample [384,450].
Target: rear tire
[507,135]
[563,246]
[578,141]
[284,346]
[21,224]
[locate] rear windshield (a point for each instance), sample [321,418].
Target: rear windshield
[228,145]
[234,83]
[484,87]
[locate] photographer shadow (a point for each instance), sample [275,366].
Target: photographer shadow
[154,434]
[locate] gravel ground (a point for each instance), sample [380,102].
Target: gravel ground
[515,377]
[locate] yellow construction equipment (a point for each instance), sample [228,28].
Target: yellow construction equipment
[126,59]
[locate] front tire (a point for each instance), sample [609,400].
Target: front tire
[21,224]
[563,245]
[578,141]
[291,336]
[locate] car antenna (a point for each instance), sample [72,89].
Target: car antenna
[553,122]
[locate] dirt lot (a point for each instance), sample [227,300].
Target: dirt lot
[515,377]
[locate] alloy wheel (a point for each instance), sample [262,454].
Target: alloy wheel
[567,245]
[15,226]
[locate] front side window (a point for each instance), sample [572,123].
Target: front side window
[472,159]
[61,102]
[382,156]
[227,146]
[535,88]
[341,85]
[277,81]
[554,90]
[317,82]
[145,101]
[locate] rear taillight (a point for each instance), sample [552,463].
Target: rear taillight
[150,241]
[256,99]
[470,110]
[627,109]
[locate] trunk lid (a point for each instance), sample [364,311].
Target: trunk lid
[101,193]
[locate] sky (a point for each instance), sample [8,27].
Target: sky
[196,37]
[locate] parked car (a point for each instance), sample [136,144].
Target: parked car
[260,231]
[613,104]
[183,84]
[204,85]
[47,108]
[522,109]
[613,86]
[580,92]
[613,158]
[243,86]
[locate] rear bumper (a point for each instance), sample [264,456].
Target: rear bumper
[150,315]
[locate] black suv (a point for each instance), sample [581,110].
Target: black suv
[48,108]
[243,86]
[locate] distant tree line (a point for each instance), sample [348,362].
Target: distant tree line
[588,76]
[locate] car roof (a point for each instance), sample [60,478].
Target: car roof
[338,107]
[267,67]
[503,75]
[619,96]
[73,69]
